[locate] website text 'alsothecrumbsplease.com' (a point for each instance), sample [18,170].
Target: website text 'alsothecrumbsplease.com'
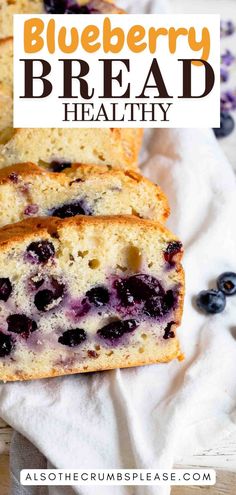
[116,477]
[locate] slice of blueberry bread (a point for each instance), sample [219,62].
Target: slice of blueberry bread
[87,294]
[28,190]
[115,147]
[10,7]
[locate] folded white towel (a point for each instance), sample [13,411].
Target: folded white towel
[149,417]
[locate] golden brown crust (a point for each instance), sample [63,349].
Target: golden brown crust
[22,169]
[174,353]
[131,140]
[52,226]
[8,39]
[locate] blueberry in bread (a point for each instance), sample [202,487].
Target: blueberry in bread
[10,7]
[86,294]
[27,190]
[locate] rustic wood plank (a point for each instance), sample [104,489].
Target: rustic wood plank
[2,423]
[225,485]
[4,475]
[226,482]
[5,438]
[222,456]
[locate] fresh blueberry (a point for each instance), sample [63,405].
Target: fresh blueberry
[137,288]
[211,301]
[6,345]
[69,210]
[117,329]
[227,283]
[41,251]
[168,333]
[55,6]
[46,299]
[72,338]
[59,166]
[5,289]
[226,125]
[159,305]
[173,248]
[65,7]
[99,296]
[21,324]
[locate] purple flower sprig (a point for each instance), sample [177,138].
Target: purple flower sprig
[224,74]
[228,97]
[228,100]
[227,28]
[227,58]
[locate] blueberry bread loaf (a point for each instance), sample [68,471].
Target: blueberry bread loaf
[28,190]
[87,294]
[10,7]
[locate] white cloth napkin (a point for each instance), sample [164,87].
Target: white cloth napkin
[150,417]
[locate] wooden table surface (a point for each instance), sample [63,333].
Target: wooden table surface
[222,458]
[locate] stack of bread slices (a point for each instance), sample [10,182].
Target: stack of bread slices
[90,277]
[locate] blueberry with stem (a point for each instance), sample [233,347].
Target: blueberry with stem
[226,282]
